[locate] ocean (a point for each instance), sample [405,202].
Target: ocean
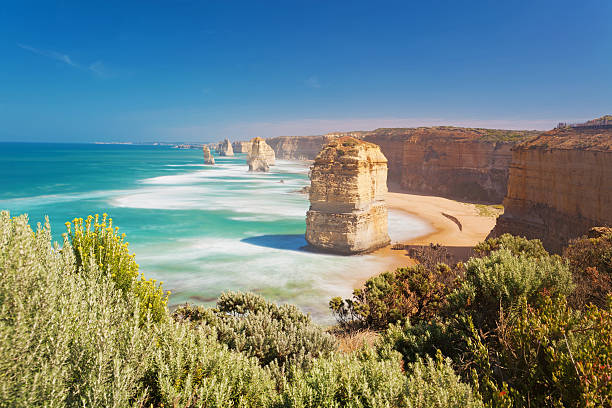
[200,229]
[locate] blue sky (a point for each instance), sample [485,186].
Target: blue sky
[205,70]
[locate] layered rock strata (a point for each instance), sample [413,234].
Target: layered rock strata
[225,148]
[297,147]
[348,214]
[261,156]
[242,147]
[560,185]
[208,157]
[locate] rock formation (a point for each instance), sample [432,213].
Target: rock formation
[225,148]
[560,185]
[297,147]
[459,163]
[348,214]
[208,157]
[261,156]
[242,147]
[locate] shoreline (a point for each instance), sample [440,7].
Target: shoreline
[456,225]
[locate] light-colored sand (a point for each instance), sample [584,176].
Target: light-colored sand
[475,226]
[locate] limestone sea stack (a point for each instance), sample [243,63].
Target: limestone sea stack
[261,156]
[208,157]
[225,148]
[348,214]
[242,147]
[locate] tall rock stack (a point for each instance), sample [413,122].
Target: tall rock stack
[225,148]
[208,157]
[348,214]
[261,156]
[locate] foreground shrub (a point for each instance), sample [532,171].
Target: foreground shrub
[531,248]
[97,244]
[547,355]
[416,293]
[67,338]
[590,260]
[247,323]
[496,282]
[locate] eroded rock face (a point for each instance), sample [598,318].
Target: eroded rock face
[242,147]
[297,147]
[348,214]
[208,157]
[261,156]
[225,148]
[560,185]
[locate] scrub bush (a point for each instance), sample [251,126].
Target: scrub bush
[96,242]
[531,248]
[416,293]
[247,323]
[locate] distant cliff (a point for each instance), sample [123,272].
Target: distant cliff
[297,147]
[460,163]
[560,185]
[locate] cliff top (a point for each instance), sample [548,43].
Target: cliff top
[579,138]
[349,149]
[457,133]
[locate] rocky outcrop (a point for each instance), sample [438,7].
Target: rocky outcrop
[560,185]
[208,157]
[458,163]
[261,156]
[297,147]
[242,147]
[225,148]
[348,214]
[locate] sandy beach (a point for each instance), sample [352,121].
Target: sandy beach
[456,225]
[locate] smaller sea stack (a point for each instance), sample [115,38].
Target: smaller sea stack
[348,214]
[261,156]
[242,147]
[208,157]
[225,148]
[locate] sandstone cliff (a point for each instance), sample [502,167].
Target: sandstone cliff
[261,156]
[242,147]
[225,148]
[208,157]
[297,147]
[347,212]
[560,185]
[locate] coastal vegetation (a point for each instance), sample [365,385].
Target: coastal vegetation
[80,326]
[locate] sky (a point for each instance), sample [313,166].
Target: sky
[200,71]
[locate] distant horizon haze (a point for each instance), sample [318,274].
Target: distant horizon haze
[202,71]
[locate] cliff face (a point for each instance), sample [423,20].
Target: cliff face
[261,156]
[347,212]
[560,185]
[242,147]
[208,157]
[297,147]
[225,148]
[459,163]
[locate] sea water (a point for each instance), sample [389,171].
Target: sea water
[201,229]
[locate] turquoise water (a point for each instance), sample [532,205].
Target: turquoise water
[200,229]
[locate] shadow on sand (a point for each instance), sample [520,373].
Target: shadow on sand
[288,242]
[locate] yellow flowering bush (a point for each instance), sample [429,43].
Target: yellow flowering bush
[95,241]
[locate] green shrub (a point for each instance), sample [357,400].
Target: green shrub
[496,282]
[434,384]
[416,293]
[67,339]
[547,355]
[96,242]
[247,323]
[531,248]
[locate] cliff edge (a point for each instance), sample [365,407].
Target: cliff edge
[560,185]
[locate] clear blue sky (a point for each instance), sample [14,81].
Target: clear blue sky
[204,70]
